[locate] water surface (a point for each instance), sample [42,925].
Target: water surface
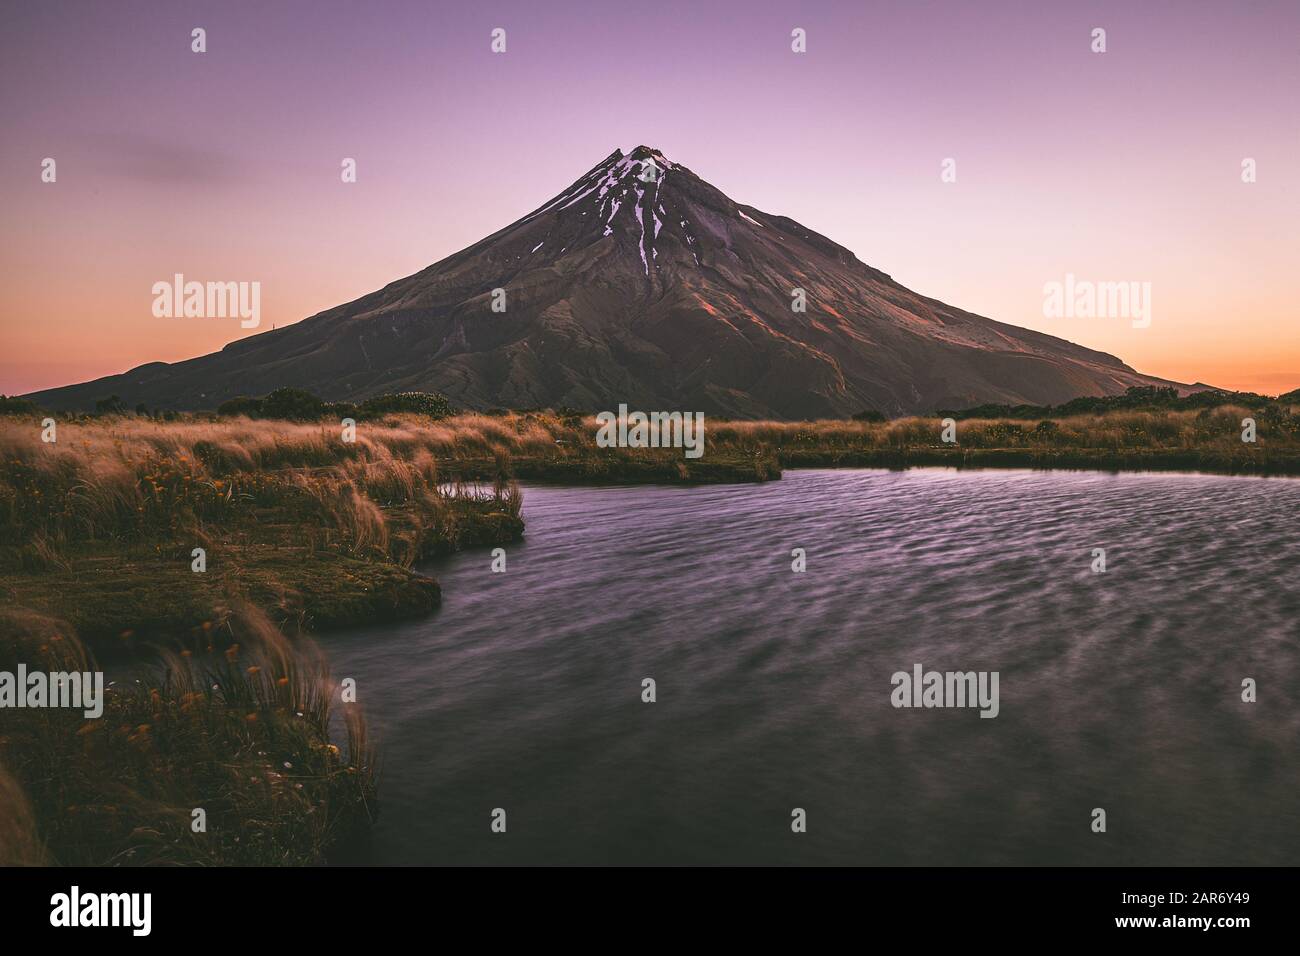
[1119,690]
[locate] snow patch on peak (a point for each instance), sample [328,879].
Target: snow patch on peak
[616,173]
[609,219]
[640,217]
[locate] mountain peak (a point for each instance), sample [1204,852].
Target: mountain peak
[619,164]
[649,153]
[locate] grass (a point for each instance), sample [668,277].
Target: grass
[237,727]
[99,527]
[550,448]
[1206,440]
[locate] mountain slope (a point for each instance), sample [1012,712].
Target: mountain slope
[662,294]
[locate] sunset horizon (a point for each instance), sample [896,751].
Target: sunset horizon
[218,188]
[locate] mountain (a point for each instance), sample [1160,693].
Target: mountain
[661,294]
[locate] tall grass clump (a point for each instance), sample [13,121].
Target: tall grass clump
[132,479]
[237,726]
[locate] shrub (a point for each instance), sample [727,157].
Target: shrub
[569,416]
[342,410]
[293,404]
[433,404]
[1000,434]
[1046,430]
[241,405]
[17,406]
[1136,397]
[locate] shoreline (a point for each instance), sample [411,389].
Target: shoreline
[579,475]
[1100,461]
[132,602]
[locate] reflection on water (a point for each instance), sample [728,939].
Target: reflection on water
[1118,690]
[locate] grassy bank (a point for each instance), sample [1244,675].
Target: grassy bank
[99,528]
[219,755]
[299,531]
[1158,440]
[544,447]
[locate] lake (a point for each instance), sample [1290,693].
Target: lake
[1119,690]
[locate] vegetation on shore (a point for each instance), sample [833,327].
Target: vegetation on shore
[100,526]
[221,754]
[1145,398]
[298,530]
[294,404]
[1150,440]
[1146,428]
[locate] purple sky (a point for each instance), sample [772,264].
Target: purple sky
[225,165]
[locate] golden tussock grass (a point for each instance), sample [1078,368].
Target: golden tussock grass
[128,477]
[240,729]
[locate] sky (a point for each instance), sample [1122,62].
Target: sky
[1122,166]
